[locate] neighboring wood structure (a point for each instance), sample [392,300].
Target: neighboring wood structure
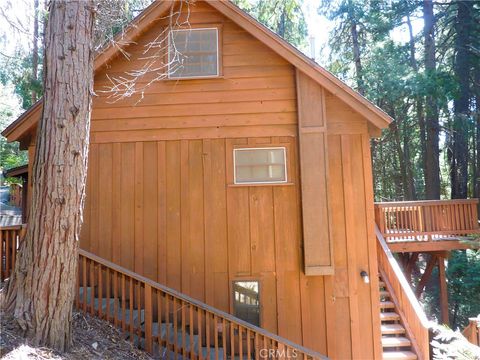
[19,192]
[162,200]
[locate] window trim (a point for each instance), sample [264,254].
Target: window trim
[285,165]
[217,33]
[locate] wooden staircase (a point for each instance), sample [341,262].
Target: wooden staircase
[395,342]
[404,326]
[169,324]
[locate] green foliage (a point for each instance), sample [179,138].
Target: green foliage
[17,70]
[113,16]
[463,277]
[463,274]
[13,180]
[10,109]
[283,17]
[448,344]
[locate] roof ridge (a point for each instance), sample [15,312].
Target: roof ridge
[303,63]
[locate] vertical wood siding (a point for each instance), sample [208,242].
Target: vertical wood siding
[160,200]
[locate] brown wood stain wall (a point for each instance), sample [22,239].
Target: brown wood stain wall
[160,200]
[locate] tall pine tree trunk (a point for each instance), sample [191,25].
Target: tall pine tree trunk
[410,191]
[419,108]
[41,292]
[356,48]
[476,179]
[35,51]
[432,155]
[461,104]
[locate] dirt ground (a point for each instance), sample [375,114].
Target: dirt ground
[92,339]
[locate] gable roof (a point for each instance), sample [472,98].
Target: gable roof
[376,116]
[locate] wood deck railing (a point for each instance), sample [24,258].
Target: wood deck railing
[411,313]
[427,220]
[9,241]
[472,331]
[168,323]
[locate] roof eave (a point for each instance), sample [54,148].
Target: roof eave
[334,85]
[374,114]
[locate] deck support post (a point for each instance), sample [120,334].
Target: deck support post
[443,290]
[426,275]
[412,262]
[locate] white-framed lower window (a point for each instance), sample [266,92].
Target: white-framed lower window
[266,165]
[193,53]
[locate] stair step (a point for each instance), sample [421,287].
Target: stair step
[386,305]
[384,293]
[209,353]
[161,329]
[399,355]
[389,329]
[389,316]
[81,291]
[141,344]
[104,304]
[391,341]
[135,315]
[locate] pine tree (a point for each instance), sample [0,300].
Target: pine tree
[41,292]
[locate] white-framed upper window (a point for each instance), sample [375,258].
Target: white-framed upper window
[260,165]
[193,53]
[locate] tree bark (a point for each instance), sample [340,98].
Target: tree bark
[356,49]
[41,292]
[461,103]
[410,190]
[432,154]
[476,179]
[419,108]
[281,23]
[408,186]
[35,51]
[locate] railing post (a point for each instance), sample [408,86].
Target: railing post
[148,318]
[1,255]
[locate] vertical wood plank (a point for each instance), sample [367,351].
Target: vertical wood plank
[116,202]
[217,291]
[94,210]
[139,208]
[196,220]
[127,207]
[150,210]
[371,241]
[353,273]
[318,253]
[173,215]
[162,213]
[105,201]
[186,259]
[443,291]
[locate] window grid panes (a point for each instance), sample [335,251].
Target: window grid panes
[193,53]
[260,165]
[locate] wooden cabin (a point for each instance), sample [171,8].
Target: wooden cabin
[18,191]
[239,177]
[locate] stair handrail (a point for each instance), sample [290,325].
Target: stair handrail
[411,312]
[201,305]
